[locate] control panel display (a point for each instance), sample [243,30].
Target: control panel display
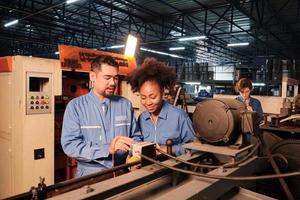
[38,93]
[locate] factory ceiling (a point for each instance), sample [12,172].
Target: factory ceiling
[271,27]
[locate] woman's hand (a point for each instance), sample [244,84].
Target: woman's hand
[249,108]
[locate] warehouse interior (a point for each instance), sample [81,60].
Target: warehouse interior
[46,51]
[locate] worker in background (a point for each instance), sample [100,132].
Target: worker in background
[99,127]
[244,88]
[161,120]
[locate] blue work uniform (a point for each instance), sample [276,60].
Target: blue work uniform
[256,106]
[89,127]
[172,123]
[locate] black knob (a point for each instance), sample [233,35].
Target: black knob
[169,144]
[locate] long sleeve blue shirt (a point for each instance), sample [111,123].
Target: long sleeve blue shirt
[89,127]
[172,123]
[256,106]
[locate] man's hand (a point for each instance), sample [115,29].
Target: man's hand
[120,143]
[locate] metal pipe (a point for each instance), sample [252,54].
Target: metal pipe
[72,182]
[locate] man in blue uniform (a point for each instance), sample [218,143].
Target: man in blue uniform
[99,128]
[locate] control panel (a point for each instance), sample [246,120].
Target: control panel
[38,104]
[39,93]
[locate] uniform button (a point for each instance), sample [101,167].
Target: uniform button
[31,107]
[31,102]
[36,107]
[37,102]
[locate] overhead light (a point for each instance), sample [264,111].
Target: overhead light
[56,52]
[11,23]
[192,83]
[71,1]
[161,53]
[130,45]
[192,38]
[117,46]
[258,84]
[238,44]
[176,48]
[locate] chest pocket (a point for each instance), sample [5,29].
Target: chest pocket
[92,133]
[122,125]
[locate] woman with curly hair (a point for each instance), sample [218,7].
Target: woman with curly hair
[161,120]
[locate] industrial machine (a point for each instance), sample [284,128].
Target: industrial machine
[223,121]
[194,175]
[28,86]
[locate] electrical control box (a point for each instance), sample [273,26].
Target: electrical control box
[27,86]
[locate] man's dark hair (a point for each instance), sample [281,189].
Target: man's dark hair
[242,84]
[103,59]
[152,70]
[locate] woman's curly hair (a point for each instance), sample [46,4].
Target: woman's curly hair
[152,70]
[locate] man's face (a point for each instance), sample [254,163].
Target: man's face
[245,93]
[105,80]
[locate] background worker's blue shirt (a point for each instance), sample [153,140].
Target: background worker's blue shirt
[172,123]
[256,106]
[88,130]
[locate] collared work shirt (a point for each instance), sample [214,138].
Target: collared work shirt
[256,106]
[172,123]
[89,127]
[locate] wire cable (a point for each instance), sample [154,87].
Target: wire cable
[228,165]
[233,178]
[187,162]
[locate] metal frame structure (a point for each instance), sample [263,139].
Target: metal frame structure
[158,24]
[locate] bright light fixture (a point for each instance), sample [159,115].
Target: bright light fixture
[11,23]
[176,48]
[117,46]
[238,44]
[192,38]
[56,52]
[130,45]
[71,1]
[192,83]
[258,84]
[161,53]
